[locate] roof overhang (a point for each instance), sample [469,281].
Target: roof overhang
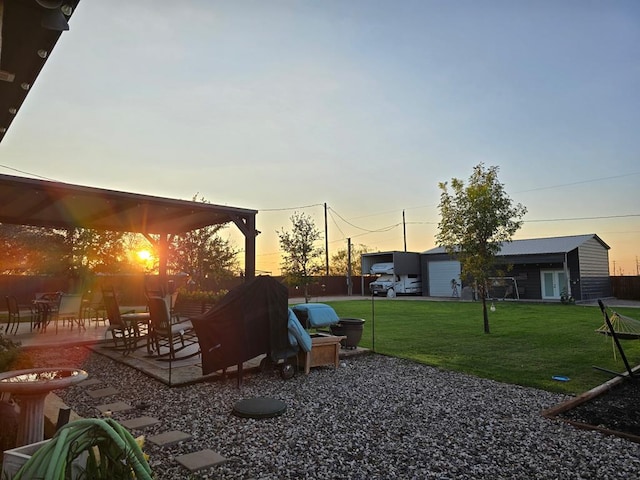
[27,201]
[29,31]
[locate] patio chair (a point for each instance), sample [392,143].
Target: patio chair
[124,332]
[14,315]
[69,309]
[164,333]
[93,308]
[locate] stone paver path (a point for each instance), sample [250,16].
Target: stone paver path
[192,461]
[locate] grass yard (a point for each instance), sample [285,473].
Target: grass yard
[528,343]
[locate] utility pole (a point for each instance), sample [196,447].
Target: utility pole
[404,231]
[349,284]
[326,240]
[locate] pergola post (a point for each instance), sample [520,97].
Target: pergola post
[250,248]
[163,253]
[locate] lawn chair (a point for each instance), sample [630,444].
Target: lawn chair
[69,309]
[124,332]
[164,333]
[14,315]
[93,308]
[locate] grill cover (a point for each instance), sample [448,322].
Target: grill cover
[249,321]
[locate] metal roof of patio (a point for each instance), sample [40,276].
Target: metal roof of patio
[28,201]
[30,29]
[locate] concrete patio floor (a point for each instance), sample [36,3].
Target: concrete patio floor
[97,337]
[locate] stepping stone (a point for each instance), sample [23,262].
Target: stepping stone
[259,407]
[114,407]
[140,422]
[103,392]
[90,382]
[199,460]
[169,438]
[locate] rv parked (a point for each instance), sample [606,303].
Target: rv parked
[390,284]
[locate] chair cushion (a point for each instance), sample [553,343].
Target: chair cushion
[316,314]
[297,334]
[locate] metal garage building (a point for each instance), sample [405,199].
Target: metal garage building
[543,268]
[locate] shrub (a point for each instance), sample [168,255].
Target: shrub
[11,357]
[208,297]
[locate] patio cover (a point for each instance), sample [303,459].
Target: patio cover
[28,201]
[30,29]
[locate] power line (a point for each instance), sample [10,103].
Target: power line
[290,208]
[581,182]
[582,218]
[27,173]
[379,230]
[336,223]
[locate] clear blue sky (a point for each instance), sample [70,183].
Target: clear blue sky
[362,105]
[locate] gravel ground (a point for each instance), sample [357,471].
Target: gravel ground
[375,417]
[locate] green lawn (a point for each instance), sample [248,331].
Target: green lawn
[528,343]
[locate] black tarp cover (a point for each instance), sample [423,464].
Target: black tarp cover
[249,321]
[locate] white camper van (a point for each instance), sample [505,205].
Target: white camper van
[390,284]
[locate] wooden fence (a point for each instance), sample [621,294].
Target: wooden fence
[131,288]
[626,287]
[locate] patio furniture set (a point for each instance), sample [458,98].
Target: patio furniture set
[46,308]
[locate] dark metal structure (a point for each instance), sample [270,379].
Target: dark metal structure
[30,30]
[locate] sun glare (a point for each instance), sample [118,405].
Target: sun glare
[144,255]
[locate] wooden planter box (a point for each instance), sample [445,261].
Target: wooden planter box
[325,350]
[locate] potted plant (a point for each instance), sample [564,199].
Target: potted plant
[351,328]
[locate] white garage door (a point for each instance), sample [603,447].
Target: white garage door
[440,276]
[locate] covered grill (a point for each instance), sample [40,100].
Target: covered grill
[249,321]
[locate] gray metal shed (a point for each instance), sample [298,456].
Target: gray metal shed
[542,267]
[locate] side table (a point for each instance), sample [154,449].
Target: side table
[325,350]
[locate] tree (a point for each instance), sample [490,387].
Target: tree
[203,254]
[301,258]
[87,250]
[340,261]
[475,220]
[28,250]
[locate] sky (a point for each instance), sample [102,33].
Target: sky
[360,106]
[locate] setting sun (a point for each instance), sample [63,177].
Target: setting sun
[144,255]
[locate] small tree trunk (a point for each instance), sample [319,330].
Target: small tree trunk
[485,314]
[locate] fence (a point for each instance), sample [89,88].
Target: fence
[131,288]
[626,287]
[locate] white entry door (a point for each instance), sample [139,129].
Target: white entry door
[553,282]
